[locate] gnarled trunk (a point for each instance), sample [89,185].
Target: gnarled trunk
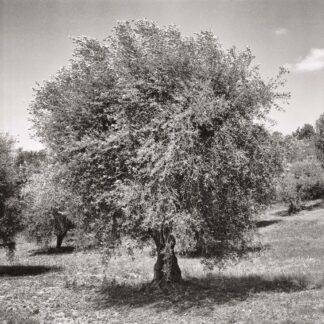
[294,206]
[59,240]
[62,224]
[295,203]
[166,268]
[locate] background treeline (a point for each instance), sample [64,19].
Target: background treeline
[303,177]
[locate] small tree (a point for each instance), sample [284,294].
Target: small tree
[303,180]
[47,206]
[9,203]
[162,138]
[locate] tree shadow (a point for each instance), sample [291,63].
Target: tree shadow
[311,207]
[282,213]
[265,223]
[26,270]
[198,293]
[308,206]
[257,248]
[52,250]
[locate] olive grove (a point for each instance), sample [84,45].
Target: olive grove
[303,178]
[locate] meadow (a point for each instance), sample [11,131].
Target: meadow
[281,283]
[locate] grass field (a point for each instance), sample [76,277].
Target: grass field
[284,283]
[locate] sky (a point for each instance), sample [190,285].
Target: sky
[35,41]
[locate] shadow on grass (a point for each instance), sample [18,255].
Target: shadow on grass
[256,248]
[11,316]
[198,293]
[282,213]
[25,270]
[52,250]
[308,206]
[266,223]
[317,205]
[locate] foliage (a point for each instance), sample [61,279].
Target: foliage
[47,207]
[303,177]
[303,180]
[162,136]
[27,163]
[307,132]
[294,149]
[319,139]
[9,203]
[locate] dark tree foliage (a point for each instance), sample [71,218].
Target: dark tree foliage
[307,132]
[9,202]
[319,139]
[163,139]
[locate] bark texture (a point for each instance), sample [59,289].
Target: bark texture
[59,240]
[166,268]
[294,206]
[62,225]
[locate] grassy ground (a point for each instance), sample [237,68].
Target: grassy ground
[284,283]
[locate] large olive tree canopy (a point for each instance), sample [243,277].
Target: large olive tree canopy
[163,138]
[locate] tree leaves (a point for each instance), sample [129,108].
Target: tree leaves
[156,129]
[9,203]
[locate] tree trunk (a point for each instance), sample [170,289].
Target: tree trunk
[166,268]
[59,240]
[294,206]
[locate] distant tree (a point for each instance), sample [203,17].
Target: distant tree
[25,157]
[47,206]
[9,203]
[319,139]
[298,149]
[162,138]
[307,132]
[302,181]
[27,163]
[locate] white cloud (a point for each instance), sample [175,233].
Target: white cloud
[281,31]
[313,61]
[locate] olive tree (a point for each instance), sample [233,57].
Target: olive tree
[307,132]
[163,138]
[303,180]
[47,206]
[9,202]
